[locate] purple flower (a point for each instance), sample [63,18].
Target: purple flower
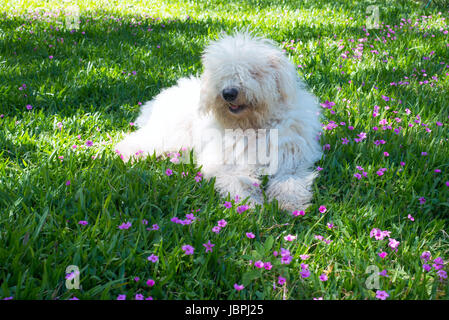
[427,267]
[121,297]
[289,238]
[305,273]
[89,143]
[29,106]
[126,225]
[286,259]
[242,208]
[208,246]
[150,282]
[188,249]
[228,204]
[222,223]
[169,172]
[267,265]
[281,280]
[393,243]
[383,273]
[139,296]
[83,222]
[238,287]
[298,213]
[323,277]
[250,235]
[442,274]
[426,255]
[259,264]
[382,295]
[153,258]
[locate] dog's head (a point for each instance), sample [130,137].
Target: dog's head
[246,81]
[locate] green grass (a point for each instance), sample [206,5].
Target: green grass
[89,87]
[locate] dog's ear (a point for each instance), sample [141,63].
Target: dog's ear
[286,77]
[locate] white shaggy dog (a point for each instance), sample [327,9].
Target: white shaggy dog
[247,83]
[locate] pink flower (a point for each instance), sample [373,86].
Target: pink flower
[242,208]
[121,297]
[383,255]
[125,226]
[410,217]
[139,296]
[216,229]
[427,267]
[188,249]
[222,223]
[89,143]
[259,264]
[227,204]
[267,265]
[29,106]
[150,282]
[83,222]
[208,246]
[238,287]
[323,277]
[298,213]
[322,209]
[383,273]
[169,172]
[393,244]
[305,273]
[382,295]
[426,255]
[289,237]
[153,258]
[250,235]
[281,280]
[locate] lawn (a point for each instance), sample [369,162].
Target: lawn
[378,224]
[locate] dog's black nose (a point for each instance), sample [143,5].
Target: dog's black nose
[230,94]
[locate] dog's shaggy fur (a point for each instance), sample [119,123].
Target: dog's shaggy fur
[247,83]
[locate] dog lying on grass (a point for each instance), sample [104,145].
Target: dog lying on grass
[249,100]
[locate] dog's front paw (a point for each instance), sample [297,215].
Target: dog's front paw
[240,188]
[290,195]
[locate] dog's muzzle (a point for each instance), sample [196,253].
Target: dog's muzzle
[230,94]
